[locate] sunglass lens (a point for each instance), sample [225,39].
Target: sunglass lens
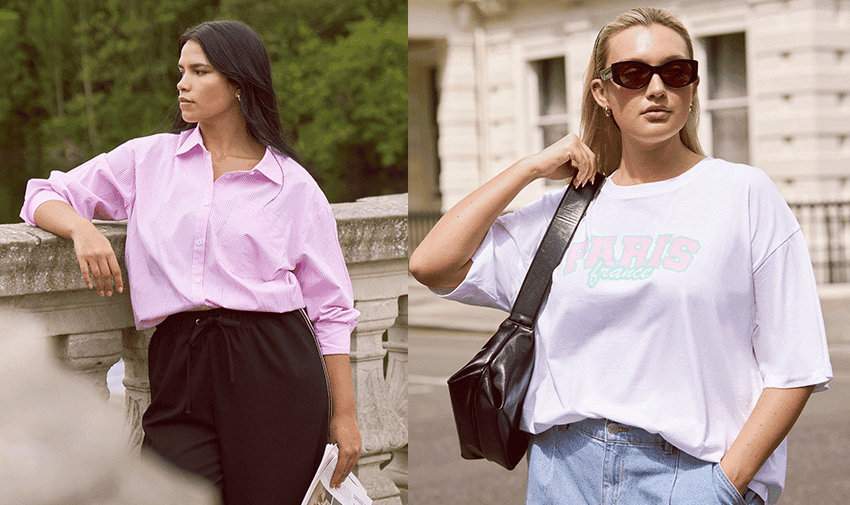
[677,73]
[634,74]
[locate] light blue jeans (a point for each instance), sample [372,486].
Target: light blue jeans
[599,462]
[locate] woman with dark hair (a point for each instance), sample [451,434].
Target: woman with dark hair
[232,255]
[243,61]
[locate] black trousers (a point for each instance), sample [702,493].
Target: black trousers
[241,399]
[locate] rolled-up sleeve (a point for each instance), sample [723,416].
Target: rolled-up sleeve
[326,285]
[102,188]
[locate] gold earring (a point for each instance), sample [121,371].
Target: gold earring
[607,111]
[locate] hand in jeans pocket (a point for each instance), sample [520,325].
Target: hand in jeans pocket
[726,491]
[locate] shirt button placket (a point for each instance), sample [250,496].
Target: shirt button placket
[199,249]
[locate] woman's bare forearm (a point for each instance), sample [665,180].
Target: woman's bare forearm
[772,418]
[343,429]
[445,255]
[60,218]
[339,378]
[98,263]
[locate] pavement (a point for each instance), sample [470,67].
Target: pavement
[444,335]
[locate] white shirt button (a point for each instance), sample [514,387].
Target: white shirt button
[199,242]
[197,281]
[206,203]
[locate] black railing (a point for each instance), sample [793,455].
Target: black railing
[826,227]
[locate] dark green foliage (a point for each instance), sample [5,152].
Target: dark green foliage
[80,77]
[340,71]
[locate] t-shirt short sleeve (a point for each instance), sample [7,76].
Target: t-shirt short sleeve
[789,340]
[771,220]
[501,261]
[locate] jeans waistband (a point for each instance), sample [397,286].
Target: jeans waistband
[610,431]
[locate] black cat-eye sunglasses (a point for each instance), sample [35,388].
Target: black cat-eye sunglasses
[637,74]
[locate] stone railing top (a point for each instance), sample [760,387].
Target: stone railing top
[36,261]
[373,229]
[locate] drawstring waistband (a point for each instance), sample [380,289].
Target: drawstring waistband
[201,324]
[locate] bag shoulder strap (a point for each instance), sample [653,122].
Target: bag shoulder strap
[552,247]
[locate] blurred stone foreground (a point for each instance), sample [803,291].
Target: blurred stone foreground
[59,442]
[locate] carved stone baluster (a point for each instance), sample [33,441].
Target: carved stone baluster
[379,423]
[396,346]
[91,355]
[136,382]
[377,287]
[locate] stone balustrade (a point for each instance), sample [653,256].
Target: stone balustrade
[40,278]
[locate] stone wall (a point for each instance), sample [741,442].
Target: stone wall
[40,278]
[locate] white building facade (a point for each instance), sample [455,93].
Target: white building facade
[492,81]
[506,80]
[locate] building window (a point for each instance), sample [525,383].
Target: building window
[550,87]
[727,106]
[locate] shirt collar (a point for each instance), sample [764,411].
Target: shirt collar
[188,140]
[269,165]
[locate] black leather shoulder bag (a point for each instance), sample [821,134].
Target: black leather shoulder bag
[487,394]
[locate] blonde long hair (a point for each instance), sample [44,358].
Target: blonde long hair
[601,133]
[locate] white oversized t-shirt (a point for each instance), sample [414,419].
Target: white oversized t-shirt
[675,305]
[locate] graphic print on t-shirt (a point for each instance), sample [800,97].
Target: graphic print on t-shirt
[633,258]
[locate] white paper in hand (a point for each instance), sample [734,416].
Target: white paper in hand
[351,492]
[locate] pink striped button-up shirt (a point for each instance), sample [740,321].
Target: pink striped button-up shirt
[258,240]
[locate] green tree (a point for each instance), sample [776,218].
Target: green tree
[19,103]
[128,52]
[82,77]
[340,72]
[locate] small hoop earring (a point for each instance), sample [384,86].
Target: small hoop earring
[691,108]
[238,97]
[607,111]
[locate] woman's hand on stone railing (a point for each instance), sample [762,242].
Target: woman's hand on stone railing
[95,253]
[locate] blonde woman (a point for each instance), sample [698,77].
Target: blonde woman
[682,335]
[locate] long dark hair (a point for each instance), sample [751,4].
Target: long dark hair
[234,49]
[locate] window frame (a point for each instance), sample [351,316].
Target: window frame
[536,121]
[708,105]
